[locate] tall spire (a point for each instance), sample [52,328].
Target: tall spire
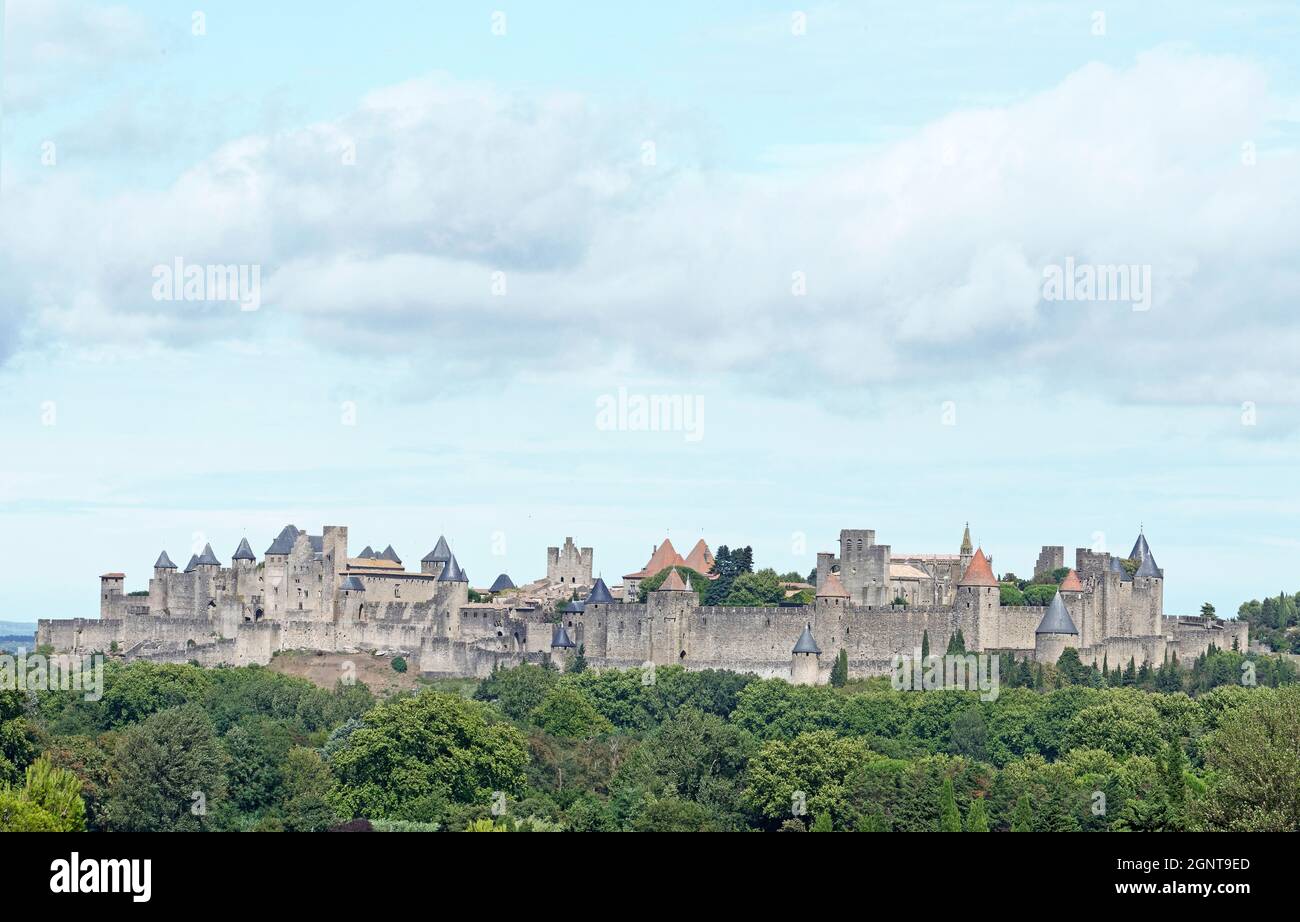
[966,546]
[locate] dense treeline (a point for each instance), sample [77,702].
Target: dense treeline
[178,747]
[1275,621]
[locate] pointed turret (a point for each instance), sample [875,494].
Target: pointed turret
[560,638]
[1057,620]
[1071,583]
[194,562]
[207,558]
[979,573]
[966,546]
[674,583]
[1148,567]
[600,593]
[367,553]
[1117,567]
[452,573]
[441,553]
[390,555]
[164,562]
[244,552]
[501,583]
[284,541]
[806,644]
[832,588]
[352,584]
[1140,548]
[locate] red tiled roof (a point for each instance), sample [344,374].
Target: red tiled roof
[674,583]
[834,589]
[1071,583]
[979,573]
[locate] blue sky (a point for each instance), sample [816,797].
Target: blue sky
[830,231]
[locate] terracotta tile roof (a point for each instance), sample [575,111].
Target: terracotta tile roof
[1071,583]
[834,589]
[906,571]
[674,583]
[700,559]
[979,573]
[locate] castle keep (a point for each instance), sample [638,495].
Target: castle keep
[308,593]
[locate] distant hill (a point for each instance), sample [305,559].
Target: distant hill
[26,628]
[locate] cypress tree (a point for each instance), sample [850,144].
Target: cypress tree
[925,644]
[949,818]
[977,818]
[840,671]
[1023,819]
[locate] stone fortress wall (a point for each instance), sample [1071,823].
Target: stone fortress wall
[308,594]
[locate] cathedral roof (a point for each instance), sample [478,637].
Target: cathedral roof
[244,552]
[207,558]
[600,593]
[833,588]
[501,583]
[979,573]
[560,638]
[806,644]
[390,554]
[452,573]
[164,562]
[674,583]
[352,584]
[284,541]
[441,553]
[1071,583]
[1057,620]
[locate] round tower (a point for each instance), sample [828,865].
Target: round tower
[805,665]
[979,604]
[561,644]
[1055,632]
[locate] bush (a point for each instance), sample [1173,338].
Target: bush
[399,664]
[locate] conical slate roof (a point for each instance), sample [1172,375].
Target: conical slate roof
[575,607]
[390,554]
[1071,583]
[164,562]
[1140,548]
[674,583]
[441,553]
[1057,620]
[244,552]
[833,588]
[352,584]
[560,638]
[980,572]
[452,573]
[1148,566]
[1116,566]
[194,562]
[367,553]
[806,643]
[284,541]
[501,584]
[207,558]
[600,593]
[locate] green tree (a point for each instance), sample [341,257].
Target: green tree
[169,773]
[813,766]
[566,711]
[409,747]
[50,801]
[399,664]
[579,661]
[1023,819]
[949,818]
[1255,757]
[840,671]
[977,818]
[518,691]
[822,823]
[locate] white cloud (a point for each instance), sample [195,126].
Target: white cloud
[923,258]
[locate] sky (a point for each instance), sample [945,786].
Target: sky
[467,231]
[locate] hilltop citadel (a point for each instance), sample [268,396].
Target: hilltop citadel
[308,593]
